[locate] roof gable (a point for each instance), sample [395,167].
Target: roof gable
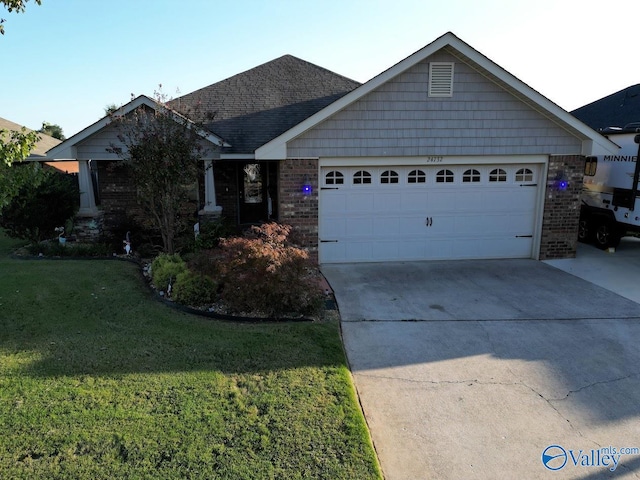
[253,107]
[67,149]
[449,43]
[615,110]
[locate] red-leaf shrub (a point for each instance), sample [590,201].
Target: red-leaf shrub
[263,273]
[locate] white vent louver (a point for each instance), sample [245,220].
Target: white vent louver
[440,79]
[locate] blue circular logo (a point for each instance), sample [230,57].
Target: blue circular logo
[554,457]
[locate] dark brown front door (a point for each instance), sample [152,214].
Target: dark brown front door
[254,203]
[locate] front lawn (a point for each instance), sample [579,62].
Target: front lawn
[98,380]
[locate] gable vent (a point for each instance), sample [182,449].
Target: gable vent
[441,79]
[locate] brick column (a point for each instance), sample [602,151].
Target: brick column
[562,208]
[297,209]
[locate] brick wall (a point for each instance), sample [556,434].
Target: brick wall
[296,209]
[562,208]
[117,196]
[119,204]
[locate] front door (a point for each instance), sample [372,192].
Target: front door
[254,198]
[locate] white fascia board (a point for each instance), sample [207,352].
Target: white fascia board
[237,156]
[277,148]
[61,151]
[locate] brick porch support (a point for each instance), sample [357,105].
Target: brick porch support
[562,208]
[297,209]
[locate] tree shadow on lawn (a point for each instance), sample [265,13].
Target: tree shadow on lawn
[99,318]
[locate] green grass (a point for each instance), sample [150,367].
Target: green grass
[98,380]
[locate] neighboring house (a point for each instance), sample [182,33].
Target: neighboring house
[445,155]
[616,110]
[44,144]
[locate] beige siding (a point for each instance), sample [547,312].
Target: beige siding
[399,119]
[95,147]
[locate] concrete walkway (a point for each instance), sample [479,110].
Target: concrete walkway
[471,370]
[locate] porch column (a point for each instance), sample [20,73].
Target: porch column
[87,198]
[210,206]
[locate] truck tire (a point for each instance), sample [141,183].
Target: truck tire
[607,234]
[585,229]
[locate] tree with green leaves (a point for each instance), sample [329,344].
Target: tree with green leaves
[163,151]
[15,146]
[110,109]
[53,130]
[14,5]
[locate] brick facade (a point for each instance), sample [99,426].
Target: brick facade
[295,208]
[119,204]
[117,196]
[562,208]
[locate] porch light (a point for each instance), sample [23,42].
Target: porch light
[561,182]
[307,188]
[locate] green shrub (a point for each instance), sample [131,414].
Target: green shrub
[194,289]
[41,206]
[53,248]
[165,268]
[211,233]
[263,273]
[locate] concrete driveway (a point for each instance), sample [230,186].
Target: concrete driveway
[470,370]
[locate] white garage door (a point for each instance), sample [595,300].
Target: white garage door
[390,213]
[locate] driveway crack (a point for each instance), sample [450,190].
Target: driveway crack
[594,384]
[524,384]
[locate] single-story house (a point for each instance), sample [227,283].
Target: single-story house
[445,155]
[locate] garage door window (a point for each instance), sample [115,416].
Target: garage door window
[444,176]
[361,177]
[334,178]
[471,176]
[498,175]
[416,176]
[389,176]
[524,175]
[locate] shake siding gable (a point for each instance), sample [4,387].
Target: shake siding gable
[95,146]
[400,119]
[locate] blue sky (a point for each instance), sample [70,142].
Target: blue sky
[64,61]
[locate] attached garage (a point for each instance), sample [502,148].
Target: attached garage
[445,155]
[427,211]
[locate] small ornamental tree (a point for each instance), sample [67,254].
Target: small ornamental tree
[163,151]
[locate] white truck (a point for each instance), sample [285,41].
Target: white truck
[611,194]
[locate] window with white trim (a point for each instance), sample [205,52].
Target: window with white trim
[416,176]
[497,175]
[444,176]
[334,178]
[389,176]
[471,176]
[361,177]
[524,175]
[441,79]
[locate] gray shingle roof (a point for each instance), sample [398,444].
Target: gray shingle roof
[615,110]
[253,107]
